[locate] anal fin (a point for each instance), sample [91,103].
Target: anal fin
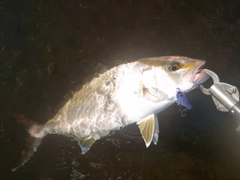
[85,143]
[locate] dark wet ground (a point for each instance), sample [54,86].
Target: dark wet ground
[49,49]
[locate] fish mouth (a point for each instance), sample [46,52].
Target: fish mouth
[199,77]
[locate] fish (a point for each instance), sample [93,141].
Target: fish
[133,92]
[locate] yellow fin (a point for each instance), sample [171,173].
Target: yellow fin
[85,143]
[147,128]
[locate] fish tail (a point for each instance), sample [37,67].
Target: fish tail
[32,141]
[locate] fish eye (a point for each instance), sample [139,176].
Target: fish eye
[174,67]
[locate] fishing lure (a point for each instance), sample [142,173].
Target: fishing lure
[183,101]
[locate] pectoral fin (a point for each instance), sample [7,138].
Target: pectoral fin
[151,93]
[156,130]
[147,128]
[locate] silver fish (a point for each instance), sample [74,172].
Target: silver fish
[129,93]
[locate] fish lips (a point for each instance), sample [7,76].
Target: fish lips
[199,78]
[195,75]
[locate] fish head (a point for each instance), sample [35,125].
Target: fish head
[168,73]
[189,70]
[149,85]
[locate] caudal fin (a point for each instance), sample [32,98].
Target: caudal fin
[31,142]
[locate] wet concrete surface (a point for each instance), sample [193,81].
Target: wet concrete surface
[49,49]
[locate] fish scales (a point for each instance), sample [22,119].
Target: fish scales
[86,112]
[129,93]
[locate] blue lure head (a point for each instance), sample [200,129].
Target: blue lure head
[182,99]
